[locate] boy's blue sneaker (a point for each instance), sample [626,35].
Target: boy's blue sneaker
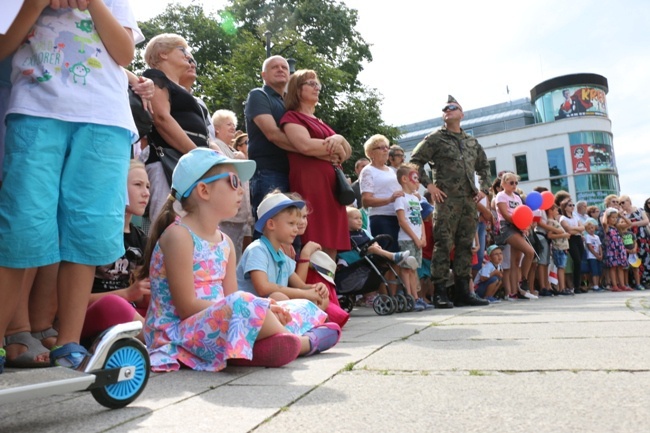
[492,300]
[420,305]
[401,256]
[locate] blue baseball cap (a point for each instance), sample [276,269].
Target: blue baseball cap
[427,209]
[271,205]
[195,164]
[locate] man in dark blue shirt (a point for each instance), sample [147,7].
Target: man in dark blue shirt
[267,144]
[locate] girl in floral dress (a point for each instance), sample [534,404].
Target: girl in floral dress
[196,316]
[615,254]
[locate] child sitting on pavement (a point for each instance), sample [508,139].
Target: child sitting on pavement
[489,279]
[411,234]
[264,270]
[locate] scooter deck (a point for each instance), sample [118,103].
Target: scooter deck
[20,385]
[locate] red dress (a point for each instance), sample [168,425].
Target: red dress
[314,180]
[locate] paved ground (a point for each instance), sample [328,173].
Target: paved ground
[569,364]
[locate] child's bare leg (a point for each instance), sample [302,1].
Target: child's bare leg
[561,284]
[10,293]
[74,285]
[621,275]
[413,275]
[491,290]
[42,301]
[271,326]
[612,276]
[506,282]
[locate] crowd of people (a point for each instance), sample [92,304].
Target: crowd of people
[240,235]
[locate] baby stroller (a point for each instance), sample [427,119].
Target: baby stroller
[366,275]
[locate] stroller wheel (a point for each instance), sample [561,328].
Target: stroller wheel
[383,305]
[346,303]
[410,303]
[401,303]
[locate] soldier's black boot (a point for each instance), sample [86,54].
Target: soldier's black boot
[463,297]
[440,299]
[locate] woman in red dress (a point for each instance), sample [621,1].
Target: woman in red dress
[311,167]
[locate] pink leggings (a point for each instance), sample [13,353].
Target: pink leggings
[107,311]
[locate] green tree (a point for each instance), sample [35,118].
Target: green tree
[230,47]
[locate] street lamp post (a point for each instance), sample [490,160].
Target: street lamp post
[268,43]
[292,65]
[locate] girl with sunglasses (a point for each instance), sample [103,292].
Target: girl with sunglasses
[196,315]
[507,201]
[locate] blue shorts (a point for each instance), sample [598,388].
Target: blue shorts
[593,267]
[482,286]
[424,271]
[64,192]
[559,258]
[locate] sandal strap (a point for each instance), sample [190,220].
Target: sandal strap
[47,333]
[66,352]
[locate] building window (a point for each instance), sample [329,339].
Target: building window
[493,169]
[557,170]
[521,167]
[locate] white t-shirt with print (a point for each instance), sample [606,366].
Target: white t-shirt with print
[595,243]
[382,184]
[63,70]
[410,204]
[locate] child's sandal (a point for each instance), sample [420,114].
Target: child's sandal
[70,355]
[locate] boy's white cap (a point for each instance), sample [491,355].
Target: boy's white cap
[324,265]
[610,210]
[194,164]
[270,207]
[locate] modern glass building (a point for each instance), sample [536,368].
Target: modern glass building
[560,138]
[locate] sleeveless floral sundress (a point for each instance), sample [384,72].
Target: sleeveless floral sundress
[227,329]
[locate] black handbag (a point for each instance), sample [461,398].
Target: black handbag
[344,192]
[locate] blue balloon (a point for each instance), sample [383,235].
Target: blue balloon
[534,200]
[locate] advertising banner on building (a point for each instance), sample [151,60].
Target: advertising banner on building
[579,101]
[592,158]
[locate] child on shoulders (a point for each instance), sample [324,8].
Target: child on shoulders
[411,235]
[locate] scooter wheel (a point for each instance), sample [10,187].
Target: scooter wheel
[125,352]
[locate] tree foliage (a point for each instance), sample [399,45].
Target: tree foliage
[230,47]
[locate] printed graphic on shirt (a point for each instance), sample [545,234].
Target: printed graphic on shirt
[72,57]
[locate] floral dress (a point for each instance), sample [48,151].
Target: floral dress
[615,253]
[227,329]
[204,341]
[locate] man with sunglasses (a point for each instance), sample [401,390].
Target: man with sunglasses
[454,158]
[395,157]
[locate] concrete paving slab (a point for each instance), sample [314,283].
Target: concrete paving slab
[631,354]
[528,402]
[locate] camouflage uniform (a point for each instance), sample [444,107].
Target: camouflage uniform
[453,157]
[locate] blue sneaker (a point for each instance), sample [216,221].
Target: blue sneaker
[420,305]
[492,300]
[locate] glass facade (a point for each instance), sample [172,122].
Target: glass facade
[557,170]
[571,101]
[593,188]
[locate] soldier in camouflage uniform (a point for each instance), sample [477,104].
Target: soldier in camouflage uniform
[454,157]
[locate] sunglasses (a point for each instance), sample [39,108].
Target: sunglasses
[450,108]
[380,148]
[234,182]
[191,61]
[315,84]
[570,205]
[615,202]
[513,182]
[399,155]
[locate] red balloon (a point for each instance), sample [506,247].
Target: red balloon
[547,200]
[522,217]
